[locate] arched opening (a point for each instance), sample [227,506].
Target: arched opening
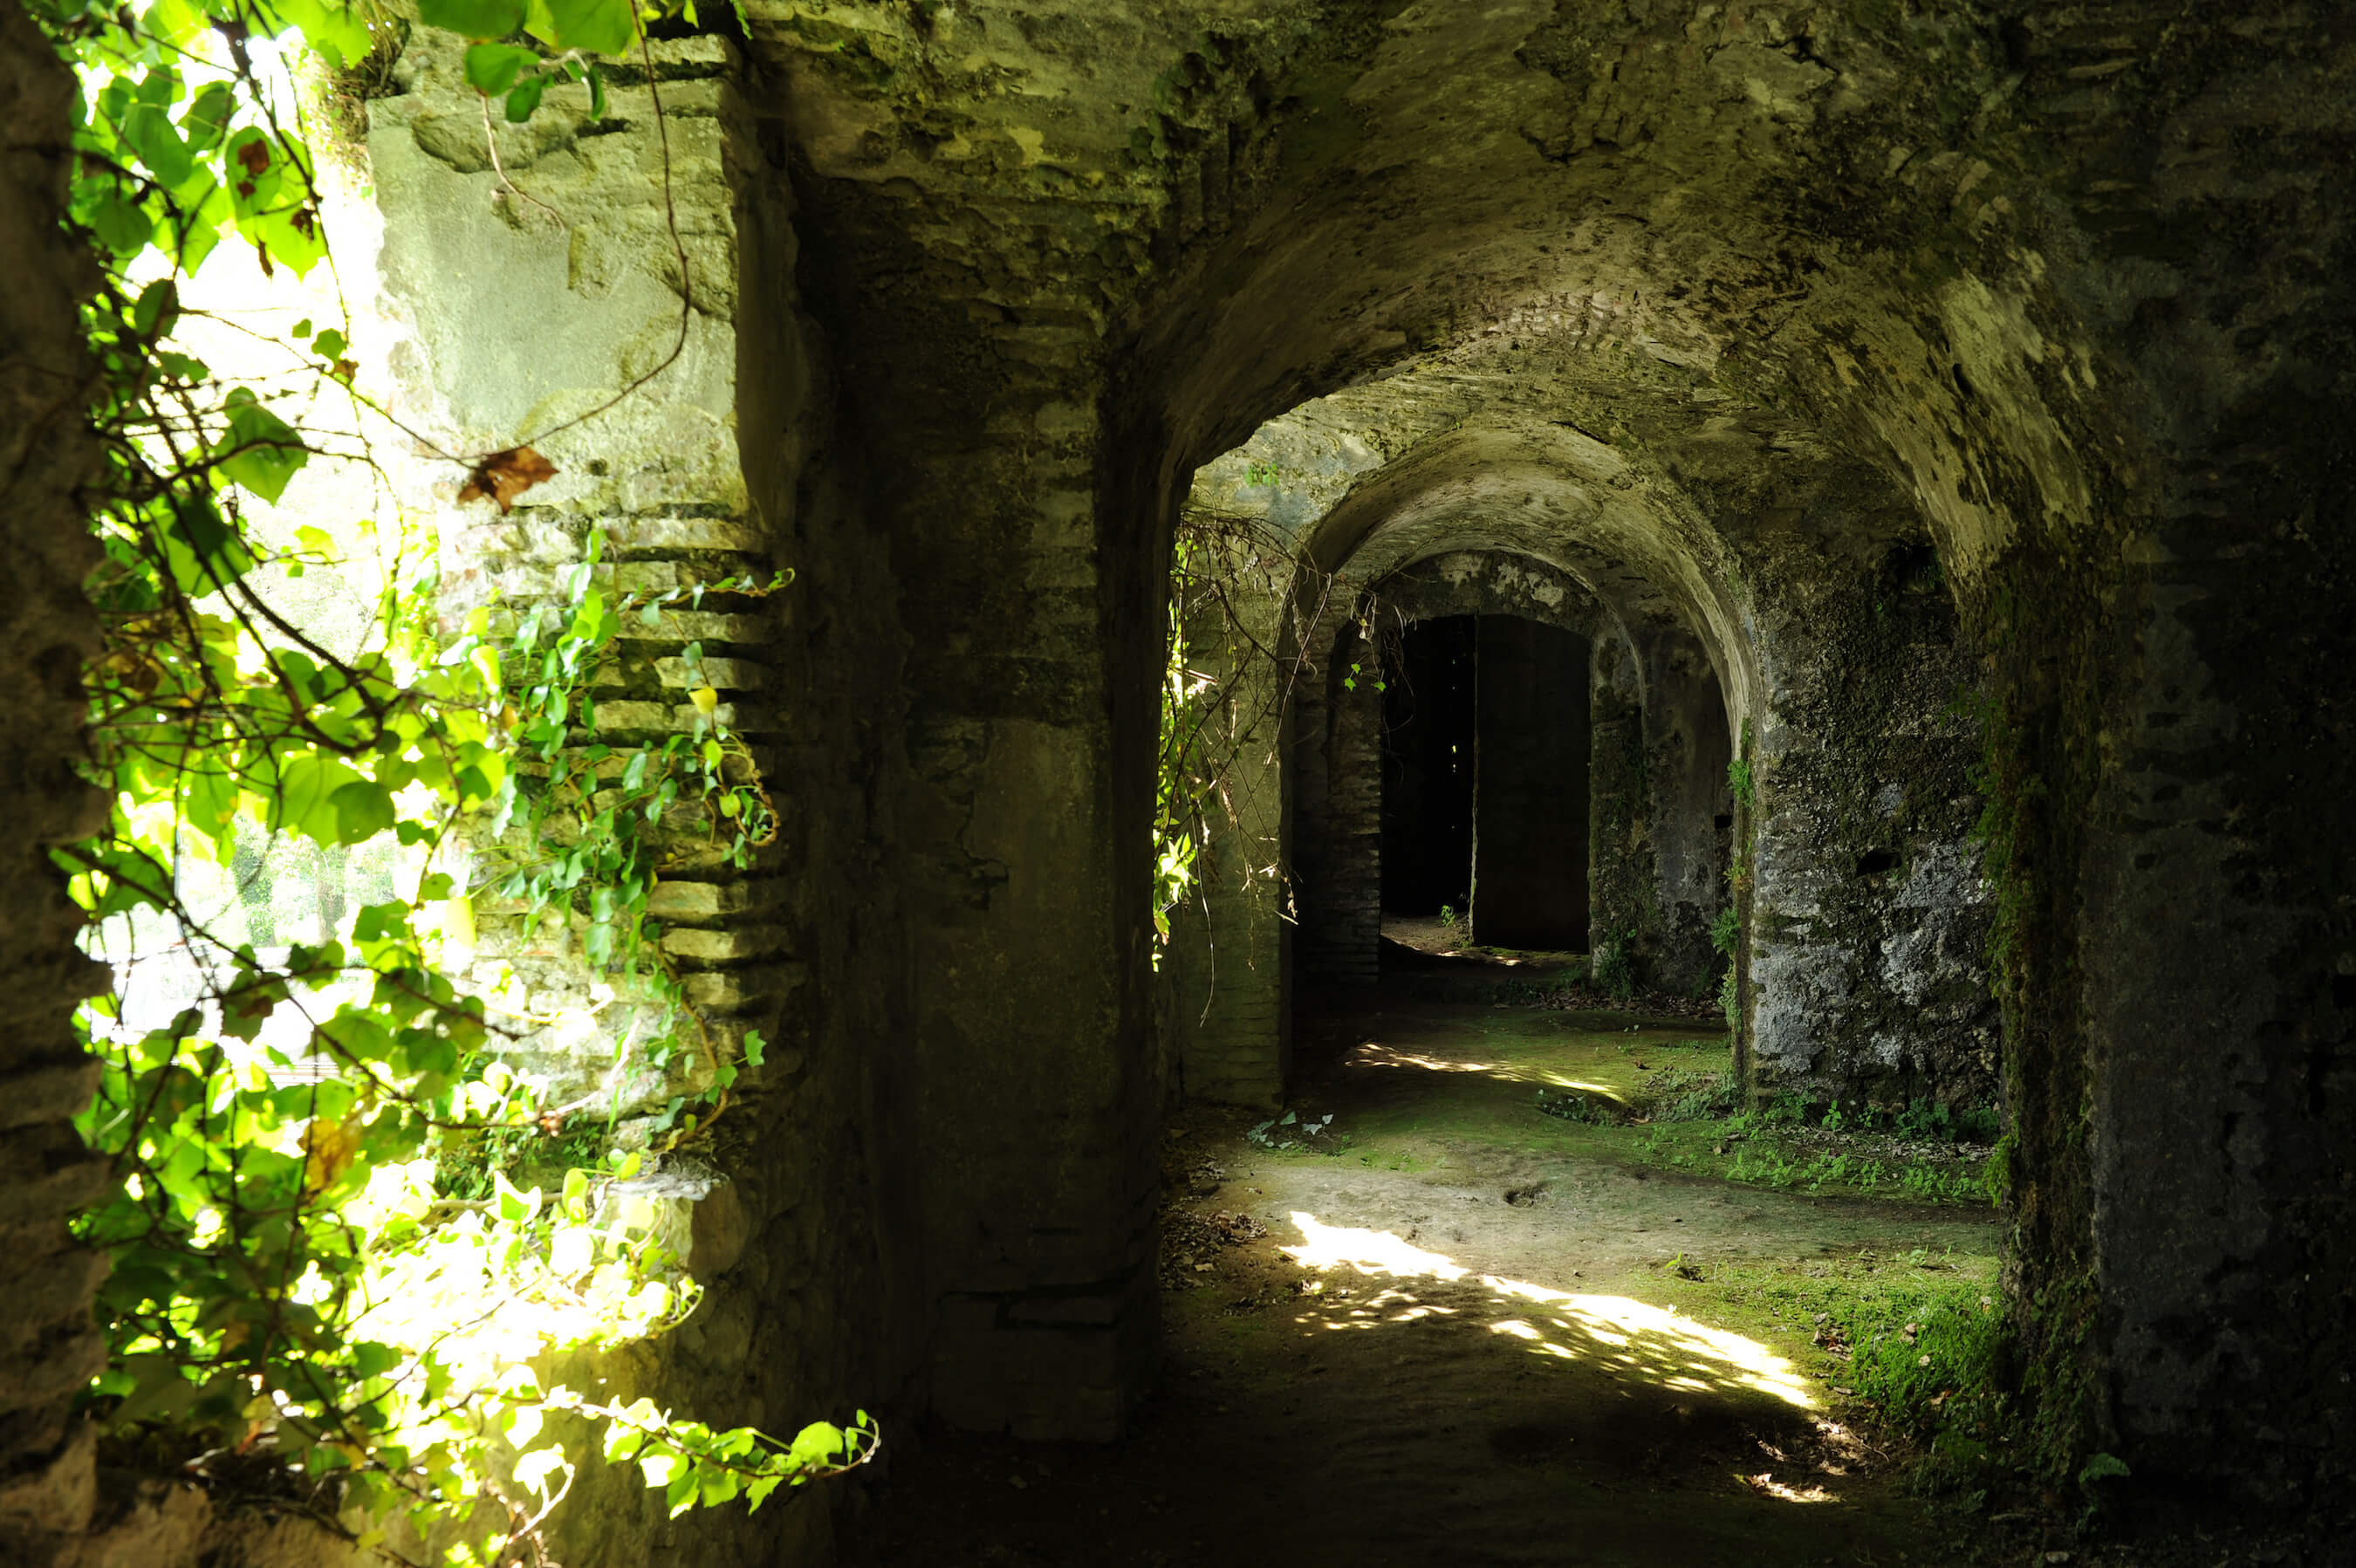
[1484,780]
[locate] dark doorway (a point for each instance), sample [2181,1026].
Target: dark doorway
[1530,762]
[1428,740]
[1484,780]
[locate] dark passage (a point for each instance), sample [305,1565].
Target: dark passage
[1529,833]
[1484,780]
[1428,770]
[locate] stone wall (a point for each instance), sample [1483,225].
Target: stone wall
[1687,746]
[527,312]
[1335,761]
[49,1349]
[1623,881]
[1868,919]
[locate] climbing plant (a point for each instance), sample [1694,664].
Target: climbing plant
[1225,687]
[290,1281]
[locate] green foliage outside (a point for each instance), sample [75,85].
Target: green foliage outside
[287,1260]
[1224,692]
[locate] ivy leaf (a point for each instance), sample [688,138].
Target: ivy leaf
[120,224]
[363,809]
[260,450]
[307,790]
[525,99]
[176,22]
[335,30]
[147,130]
[599,26]
[203,552]
[158,307]
[207,116]
[817,1446]
[492,68]
[473,18]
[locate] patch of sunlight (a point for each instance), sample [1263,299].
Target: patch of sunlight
[1766,1484]
[1666,1347]
[1368,1252]
[1613,1332]
[1375,1054]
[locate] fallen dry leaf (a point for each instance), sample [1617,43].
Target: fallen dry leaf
[503,475]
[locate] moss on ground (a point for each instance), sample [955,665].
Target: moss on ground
[1624,1088]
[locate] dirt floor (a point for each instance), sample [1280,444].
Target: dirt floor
[1443,1328]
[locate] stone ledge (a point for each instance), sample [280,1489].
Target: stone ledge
[711,900]
[724,946]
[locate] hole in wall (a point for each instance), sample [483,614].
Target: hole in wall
[1874,862]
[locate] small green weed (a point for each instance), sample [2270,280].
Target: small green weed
[1611,971]
[1686,1095]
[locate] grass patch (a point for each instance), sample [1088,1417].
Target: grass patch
[1921,1340]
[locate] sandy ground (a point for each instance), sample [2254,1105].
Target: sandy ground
[1448,1329]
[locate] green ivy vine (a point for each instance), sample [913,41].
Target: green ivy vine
[290,1283]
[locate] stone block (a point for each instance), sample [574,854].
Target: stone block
[682,534]
[617,717]
[725,674]
[48,1092]
[740,991]
[711,900]
[724,946]
[698,626]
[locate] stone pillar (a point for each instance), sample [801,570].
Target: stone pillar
[1530,786]
[1337,752]
[49,1349]
[1868,919]
[1035,1079]
[1686,749]
[1623,878]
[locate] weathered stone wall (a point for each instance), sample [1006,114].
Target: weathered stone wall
[1687,749]
[2172,674]
[50,1348]
[1337,799]
[1624,880]
[524,314]
[1867,924]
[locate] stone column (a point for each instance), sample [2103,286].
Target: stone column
[1034,1072]
[1530,787]
[1686,747]
[1623,878]
[1337,752]
[1869,918]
